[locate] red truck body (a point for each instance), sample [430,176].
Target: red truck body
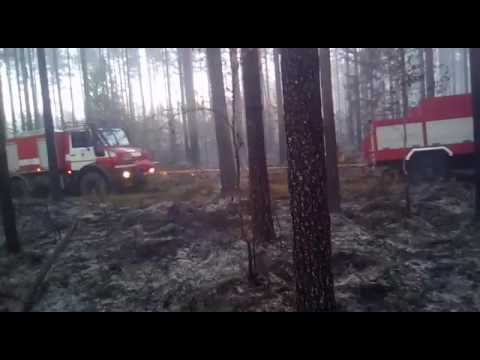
[439,124]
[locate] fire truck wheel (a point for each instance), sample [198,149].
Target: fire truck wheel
[19,188]
[93,183]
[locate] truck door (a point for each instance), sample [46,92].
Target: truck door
[82,151]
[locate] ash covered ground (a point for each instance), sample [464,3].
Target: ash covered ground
[179,248]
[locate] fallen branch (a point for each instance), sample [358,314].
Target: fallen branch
[61,246]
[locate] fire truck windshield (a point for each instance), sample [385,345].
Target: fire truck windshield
[114,137]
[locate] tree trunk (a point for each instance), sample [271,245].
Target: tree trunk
[262,223]
[111,75]
[140,80]
[453,65]
[150,87]
[282,144]
[466,73]
[333,185]
[59,85]
[171,120]
[421,63]
[17,70]
[358,115]
[182,99]
[267,104]
[130,96]
[33,85]
[222,133]
[307,180]
[191,106]
[404,83]
[238,107]
[25,88]
[348,110]
[429,72]
[7,210]
[74,120]
[49,128]
[86,84]
[10,93]
[475,83]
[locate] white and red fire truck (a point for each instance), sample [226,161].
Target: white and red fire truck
[439,138]
[89,159]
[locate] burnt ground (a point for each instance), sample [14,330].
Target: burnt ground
[178,248]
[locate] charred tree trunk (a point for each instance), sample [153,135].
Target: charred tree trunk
[191,106]
[129,83]
[222,133]
[429,72]
[33,85]
[74,120]
[358,114]
[8,211]
[404,82]
[54,175]
[236,120]
[282,144]
[86,84]
[307,180]
[10,93]
[262,222]
[186,139]
[59,85]
[17,71]
[333,184]
[466,73]
[475,82]
[421,64]
[171,120]
[25,88]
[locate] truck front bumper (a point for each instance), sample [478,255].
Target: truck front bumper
[126,176]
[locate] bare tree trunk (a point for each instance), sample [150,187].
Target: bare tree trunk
[191,106]
[140,80]
[466,73]
[358,115]
[59,85]
[74,120]
[130,96]
[282,144]
[49,128]
[475,82]
[453,64]
[10,93]
[25,88]
[222,133]
[404,83]
[429,72]
[17,70]
[86,84]
[182,109]
[33,85]
[333,184]
[7,209]
[111,74]
[262,222]
[238,108]
[421,63]
[349,112]
[307,180]
[150,87]
[171,119]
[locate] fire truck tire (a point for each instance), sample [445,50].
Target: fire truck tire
[93,182]
[19,187]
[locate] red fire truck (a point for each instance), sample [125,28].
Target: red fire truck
[89,159]
[438,139]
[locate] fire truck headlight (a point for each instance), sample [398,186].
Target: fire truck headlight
[126,174]
[151,171]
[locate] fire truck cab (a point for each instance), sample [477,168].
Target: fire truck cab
[89,159]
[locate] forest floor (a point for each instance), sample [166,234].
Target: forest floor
[178,247]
